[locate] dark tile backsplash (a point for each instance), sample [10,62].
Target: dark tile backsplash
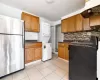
[80,36]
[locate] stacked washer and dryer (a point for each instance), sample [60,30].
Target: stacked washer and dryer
[44,37]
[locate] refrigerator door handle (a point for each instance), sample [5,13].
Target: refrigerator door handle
[23,35]
[22,41]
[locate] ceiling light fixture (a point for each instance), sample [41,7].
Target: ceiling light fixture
[50,1]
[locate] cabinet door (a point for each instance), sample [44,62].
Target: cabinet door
[64,25]
[66,53]
[94,20]
[61,52]
[79,22]
[27,19]
[71,24]
[86,24]
[29,55]
[38,53]
[35,27]
[68,25]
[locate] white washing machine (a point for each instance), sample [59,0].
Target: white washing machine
[46,51]
[44,37]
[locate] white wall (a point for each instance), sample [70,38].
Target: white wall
[59,35]
[53,38]
[16,13]
[10,11]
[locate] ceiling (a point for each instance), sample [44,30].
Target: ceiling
[52,11]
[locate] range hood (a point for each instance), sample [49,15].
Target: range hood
[91,12]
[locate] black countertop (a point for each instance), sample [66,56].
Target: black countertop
[31,41]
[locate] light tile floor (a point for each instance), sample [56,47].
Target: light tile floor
[54,69]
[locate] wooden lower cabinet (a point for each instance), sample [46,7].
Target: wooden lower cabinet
[33,52]
[63,51]
[29,56]
[66,53]
[38,54]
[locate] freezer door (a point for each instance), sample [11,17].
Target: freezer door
[11,54]
[4,24]
[17,27]
[11,25]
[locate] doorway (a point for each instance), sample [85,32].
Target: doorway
[59,36]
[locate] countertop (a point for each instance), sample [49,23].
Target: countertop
[31,41]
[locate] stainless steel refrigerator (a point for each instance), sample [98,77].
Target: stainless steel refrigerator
[11,45]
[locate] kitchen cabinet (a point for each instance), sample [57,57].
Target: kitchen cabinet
[31,22]
[68,25]
[63,51]
[38,54]
[79,22]
[86,24]
[27,23]
[64,25]
[35,27]
[66,53]
[72,24]
[33,51]
[95,20]
[29,56]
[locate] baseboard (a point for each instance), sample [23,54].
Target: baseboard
[32,62]
[63,59]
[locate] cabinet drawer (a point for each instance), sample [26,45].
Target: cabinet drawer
[33,45]
[63,44]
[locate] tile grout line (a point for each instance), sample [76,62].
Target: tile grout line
[61,69]
[48,68]
[46,75]
[27,73]
[40,72]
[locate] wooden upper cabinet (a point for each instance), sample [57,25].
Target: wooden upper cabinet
[86,24]
[31,22]
[71,26]
[79,22]
[27,19]
[35,27]
[64,25]
[68,25]
[94,20]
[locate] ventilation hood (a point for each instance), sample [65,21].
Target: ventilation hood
[91,12]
